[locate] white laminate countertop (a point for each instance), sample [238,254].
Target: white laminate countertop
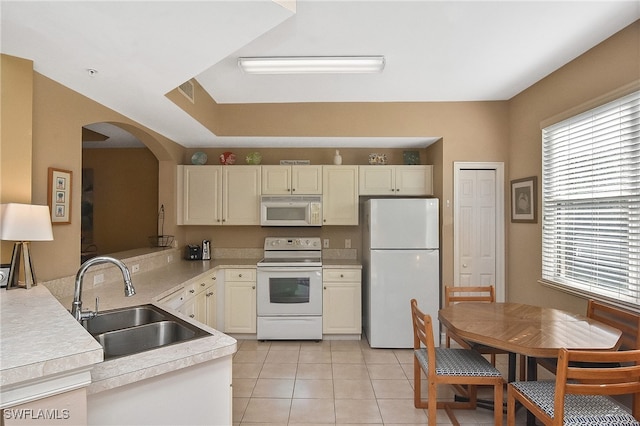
[40,338]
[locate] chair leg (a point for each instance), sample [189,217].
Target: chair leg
[511,408]
[417,385]
[432,408]
[498,395]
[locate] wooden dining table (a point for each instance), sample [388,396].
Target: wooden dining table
[529,330]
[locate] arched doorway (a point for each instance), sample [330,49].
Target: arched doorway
[119,191]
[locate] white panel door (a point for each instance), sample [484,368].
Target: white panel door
[477,227]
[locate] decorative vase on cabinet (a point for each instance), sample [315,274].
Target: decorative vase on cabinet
[337,159]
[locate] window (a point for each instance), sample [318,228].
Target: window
[591,202]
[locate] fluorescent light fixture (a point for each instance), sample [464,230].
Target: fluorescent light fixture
[312,64]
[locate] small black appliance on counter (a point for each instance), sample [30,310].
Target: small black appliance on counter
[192,252]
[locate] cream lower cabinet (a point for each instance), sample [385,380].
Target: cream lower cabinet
[240,300]
[196,299]
[339,195]
[341,301]
[396,180]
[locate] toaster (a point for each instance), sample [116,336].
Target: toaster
[192,252]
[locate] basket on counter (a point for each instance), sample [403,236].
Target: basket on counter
[161,240]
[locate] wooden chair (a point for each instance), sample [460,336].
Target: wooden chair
[461,294]
[581,395]
[626,321]
[449,366]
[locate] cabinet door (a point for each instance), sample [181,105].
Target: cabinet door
[210,306]
[199,195]
[377,180]
[306,180]
[188,308]
[241,195]
[413,180]
[276,180]
[341,308]
[340,195]
[239,307]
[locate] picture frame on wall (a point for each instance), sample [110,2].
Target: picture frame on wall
[524,198]
[59,195]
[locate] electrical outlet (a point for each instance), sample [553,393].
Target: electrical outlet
[347,243]
[170,258]
[98,278]
[135,268]
[325,243]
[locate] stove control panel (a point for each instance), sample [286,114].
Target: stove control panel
[282,243]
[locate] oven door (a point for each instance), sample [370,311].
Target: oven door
[289,291]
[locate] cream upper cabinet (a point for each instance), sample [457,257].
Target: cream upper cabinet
[340,195]
[199,195]
[396,180]
[218,195]
[241,195]
[291,180]
[341,301]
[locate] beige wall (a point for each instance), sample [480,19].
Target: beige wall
[125,197]
[58,117]
[505,131]
[608,66]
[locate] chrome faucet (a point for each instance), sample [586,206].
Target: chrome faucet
[76,306]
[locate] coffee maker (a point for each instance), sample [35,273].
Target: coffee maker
[206,250]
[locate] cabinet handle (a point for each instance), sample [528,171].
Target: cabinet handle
[192,316]
[325,287]
[192,291]
[214,278]
[293,190]
[341,275]
[254,287]
[202,284]
[210,294]
[239,275]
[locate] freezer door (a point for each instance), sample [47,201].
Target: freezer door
[394,277]
[403,223]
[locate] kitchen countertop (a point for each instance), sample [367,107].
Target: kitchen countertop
[40,338]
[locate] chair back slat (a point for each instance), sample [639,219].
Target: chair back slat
[423,333]
[626,321]
[578,373]
[457,294]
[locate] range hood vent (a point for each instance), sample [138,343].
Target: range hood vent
[187,89]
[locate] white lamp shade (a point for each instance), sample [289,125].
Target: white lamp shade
[25,222]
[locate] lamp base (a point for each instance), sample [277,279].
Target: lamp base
[21,251]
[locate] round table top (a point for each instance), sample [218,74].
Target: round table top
[525,329]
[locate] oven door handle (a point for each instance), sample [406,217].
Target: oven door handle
[288,269]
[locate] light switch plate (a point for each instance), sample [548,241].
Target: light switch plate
[4,275]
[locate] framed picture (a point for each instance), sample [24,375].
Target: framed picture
[59,195]
[524,196]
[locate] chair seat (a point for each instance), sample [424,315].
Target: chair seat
[579,409]
[458,362]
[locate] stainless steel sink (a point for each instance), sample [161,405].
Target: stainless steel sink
[124,318]
[128,331]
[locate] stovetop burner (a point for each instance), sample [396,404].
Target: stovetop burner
[305,252]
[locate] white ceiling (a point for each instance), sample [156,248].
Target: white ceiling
[435,51]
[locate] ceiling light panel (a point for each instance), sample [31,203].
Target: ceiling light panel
[312,64]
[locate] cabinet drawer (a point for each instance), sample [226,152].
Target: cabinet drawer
[341,275]
[240,274]
[174,300]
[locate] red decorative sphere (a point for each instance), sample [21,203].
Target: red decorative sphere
[227,158]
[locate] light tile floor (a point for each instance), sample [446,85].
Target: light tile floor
[333,382]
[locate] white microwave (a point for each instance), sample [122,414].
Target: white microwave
[291,210]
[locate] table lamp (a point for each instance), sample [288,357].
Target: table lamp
[24,223]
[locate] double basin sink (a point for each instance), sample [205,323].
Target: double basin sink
[132,330]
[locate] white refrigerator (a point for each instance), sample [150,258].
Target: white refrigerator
[401,261]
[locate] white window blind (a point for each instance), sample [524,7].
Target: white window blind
[591,202]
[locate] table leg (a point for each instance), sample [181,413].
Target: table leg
[511,375]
